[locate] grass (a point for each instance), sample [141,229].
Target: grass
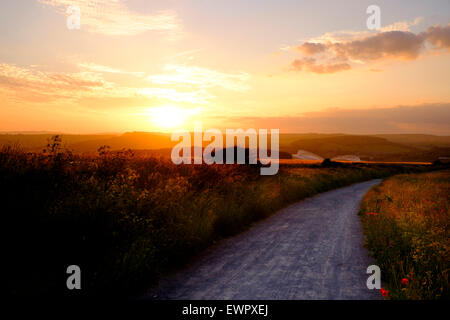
[406,222]
[127,220]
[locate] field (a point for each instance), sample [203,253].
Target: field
[125,220]
[406,222]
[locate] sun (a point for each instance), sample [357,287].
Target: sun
[169,117]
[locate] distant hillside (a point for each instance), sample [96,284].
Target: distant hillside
[288,138]
[424,141]
[158,142]
[366,147]
[36,142]
[129,140]
[421,155]
[388,147]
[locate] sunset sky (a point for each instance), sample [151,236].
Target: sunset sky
[300,66]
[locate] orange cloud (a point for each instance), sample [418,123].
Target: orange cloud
[89,84]
[391,44]
[311,65]
[351,35]
[33,85]
[335,56]
[310,48]
[439,36]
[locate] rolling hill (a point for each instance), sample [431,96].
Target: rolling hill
[387,147]
[36,142]
[422,141]
[366,147]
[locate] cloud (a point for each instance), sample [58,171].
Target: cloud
[201,78]
[28,84]
[31,85]
[105,69]
[195,97]
[310,64]
[391,44]
[34,85]
[351,35]
[198,81]
[402,25]
[335,55]
[112,17]
[426,118]
[439,36]
[310,48]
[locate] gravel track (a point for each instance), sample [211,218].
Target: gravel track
[312,249]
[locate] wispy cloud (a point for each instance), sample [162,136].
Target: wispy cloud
[33,85]
[352,35]
[112,17]
[333,53]
[29,84]
[310,64]
[439,36]
[105,69]
[201,78]
[170,94]
[402,25]
[184,53]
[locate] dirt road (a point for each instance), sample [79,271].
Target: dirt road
[309,250]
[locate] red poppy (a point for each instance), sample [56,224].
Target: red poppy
[384,293]
[405,281]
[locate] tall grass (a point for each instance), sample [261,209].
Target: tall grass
[407,226]
[126,220]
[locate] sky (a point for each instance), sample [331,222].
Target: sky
[297,66]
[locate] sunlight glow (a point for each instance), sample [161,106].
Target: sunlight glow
[170,117]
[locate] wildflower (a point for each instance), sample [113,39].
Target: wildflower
[371,213]
[404,281]
[384,293]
